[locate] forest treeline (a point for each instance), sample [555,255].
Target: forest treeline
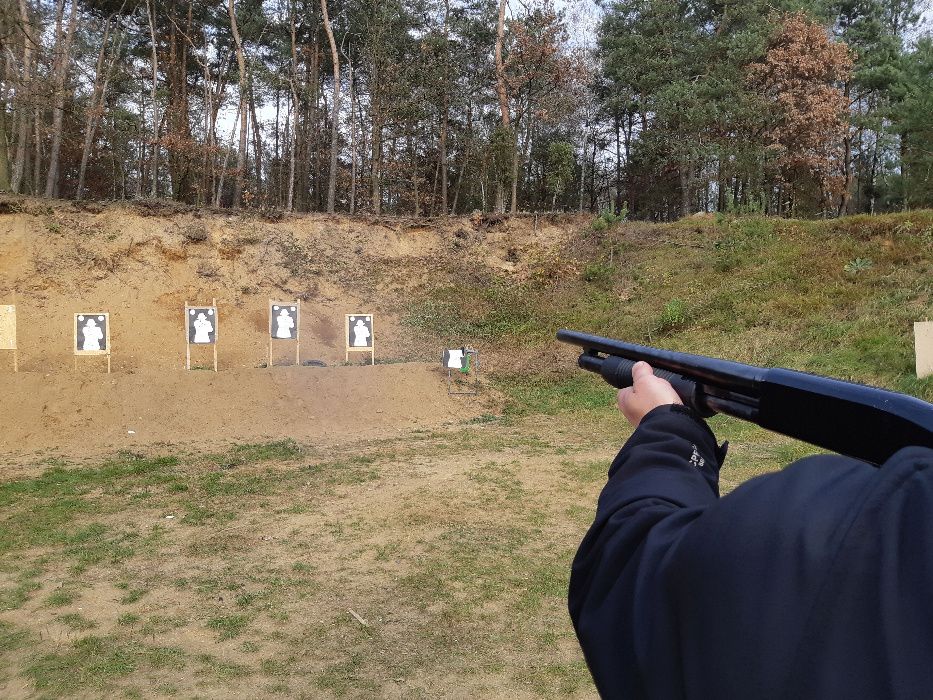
[660,108]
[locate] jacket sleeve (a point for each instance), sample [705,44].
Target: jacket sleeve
[665,475]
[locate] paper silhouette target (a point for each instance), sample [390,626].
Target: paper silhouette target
[92,334]
[202,325]
[360,335]
[283,321]
[360,331]
[456,359]
[7,327]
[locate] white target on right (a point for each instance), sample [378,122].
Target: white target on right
[359,330]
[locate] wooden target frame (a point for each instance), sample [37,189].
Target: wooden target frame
[296,339]
[91,353]
[8,324]
[371,348]
[188,342]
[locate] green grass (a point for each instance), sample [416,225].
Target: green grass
[229,626]
[94,663]
[753,289]
[542,395]
[133,595]
[60,598]
[454,545]
[76,621]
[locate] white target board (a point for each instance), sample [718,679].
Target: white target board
[7,327]
[283,320]
[201,329]
[359,335]
[455,358]
[92,333]
[202,325]
[923,346]
[284,324]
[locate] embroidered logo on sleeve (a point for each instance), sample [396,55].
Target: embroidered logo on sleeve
[695,459]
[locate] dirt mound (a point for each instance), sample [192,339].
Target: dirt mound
[91,414]
[142,269]
[142,263]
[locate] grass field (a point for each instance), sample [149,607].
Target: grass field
[431,565]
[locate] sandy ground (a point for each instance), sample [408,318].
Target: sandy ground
[56,261]
[88,414]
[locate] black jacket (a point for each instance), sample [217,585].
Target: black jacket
[813,582]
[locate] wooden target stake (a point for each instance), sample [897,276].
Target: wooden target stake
[187,340]
[15,343]
[216,329]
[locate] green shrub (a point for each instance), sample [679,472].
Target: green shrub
[599,224]
[598,273]
[853,267]
[674,315]
[611,218]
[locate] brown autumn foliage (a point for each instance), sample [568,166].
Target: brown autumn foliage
[799,80]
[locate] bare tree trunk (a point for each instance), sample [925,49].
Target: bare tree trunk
[335,111]
[617,123]
[156,118]
[846,159]
[276,176]
[22,100]
[207,160]
[352,136]
[445,113]
[375,115]
[583,169]
[51,180]
[37,145]
[513,208]
[257,141]
[4,100]
[92,107]
[294,111]
[223,170]
[98,100]
[241,151]
[466,156]
[503,95]
[4,151]
[414,178]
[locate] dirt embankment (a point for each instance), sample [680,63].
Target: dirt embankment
[92,414]
[142,268]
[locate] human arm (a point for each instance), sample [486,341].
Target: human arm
[663,477]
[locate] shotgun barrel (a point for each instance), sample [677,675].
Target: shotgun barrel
[855,420]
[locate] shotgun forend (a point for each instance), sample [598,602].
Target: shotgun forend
[855,420]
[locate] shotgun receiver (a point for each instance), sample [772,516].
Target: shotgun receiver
[855,420]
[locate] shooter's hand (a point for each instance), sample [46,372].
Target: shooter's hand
[647,393]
